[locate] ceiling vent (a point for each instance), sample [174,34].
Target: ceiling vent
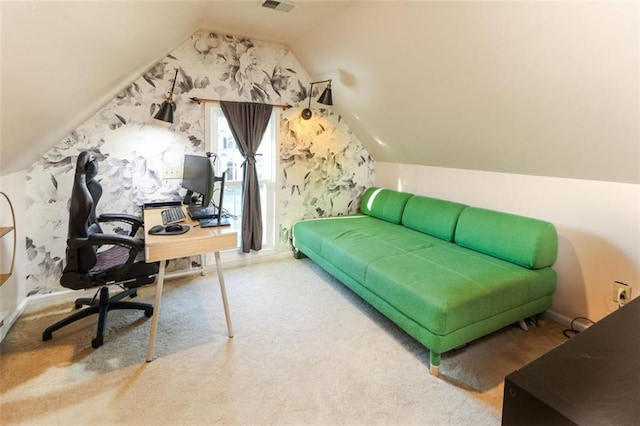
[282,6]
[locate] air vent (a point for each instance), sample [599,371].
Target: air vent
[282,6]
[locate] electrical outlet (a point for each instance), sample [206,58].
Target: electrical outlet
[621,292]
[171,172]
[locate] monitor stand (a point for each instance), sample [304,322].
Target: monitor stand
[219,219]
[214,221]
[187,198]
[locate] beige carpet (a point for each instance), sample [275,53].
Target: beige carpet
[306,351]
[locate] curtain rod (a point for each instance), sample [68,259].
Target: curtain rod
[201,100]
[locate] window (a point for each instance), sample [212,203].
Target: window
[219,140]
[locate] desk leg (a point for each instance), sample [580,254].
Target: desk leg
[224,293]
[156,311]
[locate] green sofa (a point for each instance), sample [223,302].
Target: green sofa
[444,272]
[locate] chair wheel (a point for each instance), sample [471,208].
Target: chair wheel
[46,336]
[96,343]
[148,312]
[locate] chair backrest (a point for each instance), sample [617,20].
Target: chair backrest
[81,259]
[95,189]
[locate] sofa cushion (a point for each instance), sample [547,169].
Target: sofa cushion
[446,287]
[385,204]
[351,243]
[525,241]
[432,216]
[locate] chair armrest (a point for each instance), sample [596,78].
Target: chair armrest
[136,222]
[121,217]
[121,240]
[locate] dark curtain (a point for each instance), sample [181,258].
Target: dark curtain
[248,121]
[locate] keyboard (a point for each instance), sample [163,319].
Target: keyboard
[163,203]
[173,215]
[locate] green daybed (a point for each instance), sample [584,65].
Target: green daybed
[444,272]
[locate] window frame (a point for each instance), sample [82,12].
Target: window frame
[268,196]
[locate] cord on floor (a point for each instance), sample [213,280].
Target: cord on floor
[573,329]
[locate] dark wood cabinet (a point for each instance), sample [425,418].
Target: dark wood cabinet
[591,379]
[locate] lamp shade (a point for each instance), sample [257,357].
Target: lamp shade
[326,98]
[165,113]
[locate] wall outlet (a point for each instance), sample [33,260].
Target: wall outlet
[171,172]
[621,292]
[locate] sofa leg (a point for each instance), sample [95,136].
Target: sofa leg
[523,325]
[434,370]
[434,363]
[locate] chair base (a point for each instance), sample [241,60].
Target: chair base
[99,305]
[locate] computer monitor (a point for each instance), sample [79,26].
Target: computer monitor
[198,178]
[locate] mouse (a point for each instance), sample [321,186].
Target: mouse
[156,229]
[173,227]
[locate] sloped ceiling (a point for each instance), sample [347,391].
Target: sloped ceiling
[540,88]
[62,61]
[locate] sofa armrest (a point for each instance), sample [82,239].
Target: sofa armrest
[525,241]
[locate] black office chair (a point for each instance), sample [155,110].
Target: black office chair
[88,266]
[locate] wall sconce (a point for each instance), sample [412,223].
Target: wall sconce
[325,98]
[168,107]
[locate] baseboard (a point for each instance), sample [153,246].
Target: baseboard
[559,318]
[230,259]
[234,259]
[10,319]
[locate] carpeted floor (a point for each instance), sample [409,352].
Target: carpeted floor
[306,351]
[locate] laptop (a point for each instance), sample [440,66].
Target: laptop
[200,212]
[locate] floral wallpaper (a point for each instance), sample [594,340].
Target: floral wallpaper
[323,168]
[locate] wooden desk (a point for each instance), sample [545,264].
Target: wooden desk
[194,242]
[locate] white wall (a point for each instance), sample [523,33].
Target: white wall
[488,85]
[598,224]
[13,292]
